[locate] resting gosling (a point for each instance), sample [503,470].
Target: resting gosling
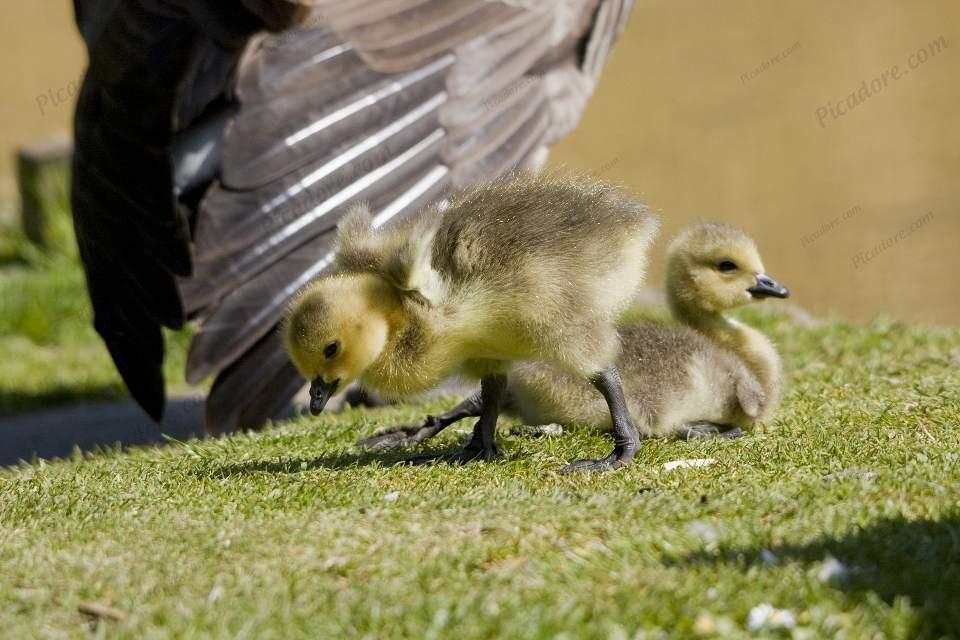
[524,268]
[705,374]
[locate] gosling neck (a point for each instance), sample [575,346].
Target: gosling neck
[707,321]
[416,357]
[388,306]
[749,344]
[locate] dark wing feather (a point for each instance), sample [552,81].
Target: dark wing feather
[133,237]
[244,379]
[131,240]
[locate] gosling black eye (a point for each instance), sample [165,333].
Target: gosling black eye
[727,266]
[331,350]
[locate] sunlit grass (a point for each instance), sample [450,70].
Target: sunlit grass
[292,532]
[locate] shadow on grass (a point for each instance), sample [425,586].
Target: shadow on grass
[361,458]
[12,259]
[892,558]
[432,452]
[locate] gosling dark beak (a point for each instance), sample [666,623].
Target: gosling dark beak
[767,287]
[320,392]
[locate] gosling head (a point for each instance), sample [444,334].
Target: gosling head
[334,331]
[714,267]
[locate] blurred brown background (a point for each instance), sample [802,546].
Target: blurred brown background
[697,115]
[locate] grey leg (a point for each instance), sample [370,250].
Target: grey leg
[626,439]
[482,444]
[406,435]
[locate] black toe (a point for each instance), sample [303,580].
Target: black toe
[467,454]
[610,463]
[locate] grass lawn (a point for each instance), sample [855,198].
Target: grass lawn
[844,512]
[49,351]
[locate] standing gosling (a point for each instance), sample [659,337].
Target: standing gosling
[521,269]
[704,374]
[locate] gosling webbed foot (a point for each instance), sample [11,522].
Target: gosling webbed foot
[482,445]
[626,438]
[472,452]
[612,462]
[732,434]
[403,435]
[406,435]
[697,430]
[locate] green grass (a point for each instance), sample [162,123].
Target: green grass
[291,532]
[49,351]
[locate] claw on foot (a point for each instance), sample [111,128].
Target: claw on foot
[459,457]
[404,435]
[611,463]
[381,440]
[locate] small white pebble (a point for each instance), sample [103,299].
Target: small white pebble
[615,632]
[705,625]
[765,615]
[440,618]
[832,569]
[783,619]
[852,473]
[393,496]
[334,563]
[214,594]
[704,530]
[686,464]
[712,593]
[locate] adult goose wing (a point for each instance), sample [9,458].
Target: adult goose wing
[392,102]
[154,67]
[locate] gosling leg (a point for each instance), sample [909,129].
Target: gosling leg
[406,435]
[482,445]
[626,438]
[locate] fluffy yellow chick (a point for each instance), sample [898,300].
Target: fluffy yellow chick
[521,269]
[704,374]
